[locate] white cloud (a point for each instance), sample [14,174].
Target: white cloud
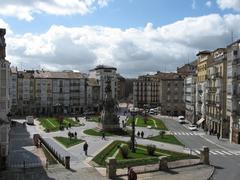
[229,4]
[193,4]
[25,9]
[208,4]
[133,51]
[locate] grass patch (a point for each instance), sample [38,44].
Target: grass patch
[139,157]
[52,124]
[68,142]
[167,139]
[154,123]
[93,132]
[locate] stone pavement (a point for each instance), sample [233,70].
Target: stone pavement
[199,172]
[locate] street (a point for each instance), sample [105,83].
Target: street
[223,155]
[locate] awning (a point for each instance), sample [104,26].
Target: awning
[200,121]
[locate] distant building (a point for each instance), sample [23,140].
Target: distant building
[162,90]
[4,101]
[93,95]
[233,90]
[121,87]
[101,73]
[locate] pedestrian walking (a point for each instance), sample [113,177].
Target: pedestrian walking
[75,135]
[85,147]
[138,134]
[218,135]
[142,134]
[103,135]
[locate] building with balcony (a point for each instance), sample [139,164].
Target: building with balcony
[204,58]
[4,101]
[215,98]
[233,90]
[46,92]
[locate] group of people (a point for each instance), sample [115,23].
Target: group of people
[71,135]
[142,134]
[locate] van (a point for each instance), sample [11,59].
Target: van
[30,120]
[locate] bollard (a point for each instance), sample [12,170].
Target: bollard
[204,156]
[163,163]
[67,162]
[111,164]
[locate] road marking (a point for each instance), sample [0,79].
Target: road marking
[237,153]
[226,152]
[214,153]
[219,152]
[197,151]
[191,134]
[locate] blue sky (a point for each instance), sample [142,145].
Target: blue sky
[123,33]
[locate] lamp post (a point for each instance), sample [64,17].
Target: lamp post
[133,113]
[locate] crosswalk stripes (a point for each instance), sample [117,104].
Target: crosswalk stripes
[218,152]
[181,133]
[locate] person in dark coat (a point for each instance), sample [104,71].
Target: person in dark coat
[138,134]
[85,147]
[103,135]
[142,134]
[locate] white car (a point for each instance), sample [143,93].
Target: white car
[192,127]
[181,119]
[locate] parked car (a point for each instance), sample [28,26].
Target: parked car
[181,120]
[192,127]
[30,120]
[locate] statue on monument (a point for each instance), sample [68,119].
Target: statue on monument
[109,117]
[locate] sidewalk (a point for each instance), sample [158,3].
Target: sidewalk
[224,143]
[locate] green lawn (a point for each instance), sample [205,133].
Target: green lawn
[67,142]
[167,139]
[154,123]
[140,155]
[94,132]
[52,124]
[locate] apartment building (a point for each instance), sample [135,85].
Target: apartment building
[204,58]
[233,90]
[216,93]
[162,90]
[190,98]
[146,91]
[4,101]
[101,73]
[45,92]
[172,94]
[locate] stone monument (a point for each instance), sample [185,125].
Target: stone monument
[109,117]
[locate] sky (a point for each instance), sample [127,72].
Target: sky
[136,36]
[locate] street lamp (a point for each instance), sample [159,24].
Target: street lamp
[133,113]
